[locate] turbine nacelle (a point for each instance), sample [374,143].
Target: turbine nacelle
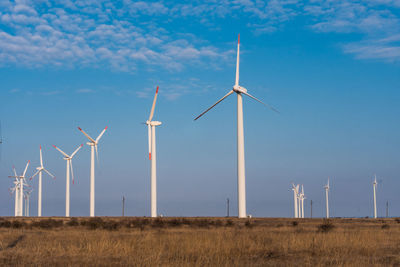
[239,89]
[154,123]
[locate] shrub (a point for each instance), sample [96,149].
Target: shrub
[47,223]
[325,227]
[93,223]
[17,224]
[385,226]
[73,222]
[248,224]
[229,223]
[158,223]
[5,224]
[295,223]
[111,225]
[175,223]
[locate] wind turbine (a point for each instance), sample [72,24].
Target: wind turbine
[239,90]
[40,169]
[15,190]
[374,184]
[69,168]
[151,128]
[327,198]
[295,189]
[93,144]
[27,196]
[21,183]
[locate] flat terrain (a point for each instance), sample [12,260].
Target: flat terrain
[134,241]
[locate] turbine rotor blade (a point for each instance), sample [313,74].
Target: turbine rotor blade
[154,105]
[90,138]
[101,134]
[72,171]
[62,152]
[149,138]
[26,168]
[237,62]
[41,159]
[258,100]
[76,151]
[225,96]
[36,173]
[49,173]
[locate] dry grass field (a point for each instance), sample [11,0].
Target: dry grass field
[132,241]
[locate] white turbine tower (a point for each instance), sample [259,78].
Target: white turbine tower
[151,127]
[20,191]
[93,144]
[239,90]
[295,189]
[374,184]
[40,169]
[69,168]
[27,195]
[327,198]
[301,199]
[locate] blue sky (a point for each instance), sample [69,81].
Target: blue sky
[330,67]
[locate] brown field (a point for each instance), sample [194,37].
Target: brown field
[133,241]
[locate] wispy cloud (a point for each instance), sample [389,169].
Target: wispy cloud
[85,91]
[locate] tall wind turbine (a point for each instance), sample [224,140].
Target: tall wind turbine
[151,128]
[239,90]
[374,184]
[295,189]
[93,144]
[21,183]
[40,169]
[69,168]
[15,190]
[327,198]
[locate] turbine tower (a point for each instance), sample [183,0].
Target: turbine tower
[151,128]
[20,191]
[327,198]
[301,198]
[93,144]
[27,196]
[15,190]
[374,184]
[69,168]
[295,189]
[40,169]
[239,90]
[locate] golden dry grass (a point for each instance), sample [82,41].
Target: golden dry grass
[199,242]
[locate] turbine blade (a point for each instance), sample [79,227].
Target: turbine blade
[101,134]
[41,159]
[237,62]
[26,168]
[72,171]
[49,173]
[36,173]
[256,99]
[225,96]
[90,138]
[154,105]
[15,172]
[76,151]
[62,152]
[149,138]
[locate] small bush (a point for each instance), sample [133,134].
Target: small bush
[175,223]
[385,226]
[111,225]
[229,223]
[248,224]
[325,227]
[93,223]
[218,223]
[73,222]
[47,223]
[17,224]
[158,223]
[5,224]
[397,220]
[295,223]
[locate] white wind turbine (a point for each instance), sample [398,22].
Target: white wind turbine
[327,198]
[15,190]
[295,189]
[27,195]
[374,184]
[239,90]
[301,200]
[93,144]
[20,192]
[69,168]
[151,128]
[40,169]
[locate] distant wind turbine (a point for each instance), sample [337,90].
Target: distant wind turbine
[374,184]
[301,198]
[15,190]
[151,128]
[69,168]
[21,183]
[239,90]
[93,144]
[40,169]
[27,195]
[295,189]
[327,198]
